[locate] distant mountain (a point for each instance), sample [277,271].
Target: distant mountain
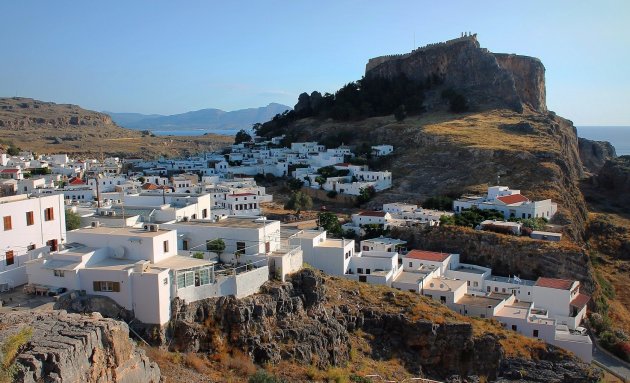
[204,119]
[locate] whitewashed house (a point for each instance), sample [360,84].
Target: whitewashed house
[510,202]
[31,226]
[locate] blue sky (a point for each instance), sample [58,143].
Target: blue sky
[174,56]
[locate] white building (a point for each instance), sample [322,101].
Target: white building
[510,202]
[31,226]
[382,150]
[140,270]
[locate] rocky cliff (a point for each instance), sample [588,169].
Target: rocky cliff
[486,79]
[76,348]
[316,321]
[615,175]
[594,154]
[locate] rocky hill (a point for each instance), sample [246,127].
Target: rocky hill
[59,347]
[46,127]
[317,328]
[486,79]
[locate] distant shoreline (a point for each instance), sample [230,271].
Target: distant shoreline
[618,136]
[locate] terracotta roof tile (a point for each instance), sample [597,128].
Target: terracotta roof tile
[514,198]
[554,283]
[427,255]
[580,300]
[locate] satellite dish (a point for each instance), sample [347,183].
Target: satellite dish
[119,252]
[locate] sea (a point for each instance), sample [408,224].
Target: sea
[193,132]
[618,136]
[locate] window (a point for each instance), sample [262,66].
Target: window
[185,279]
[503,290]
[410,264]
[185,244]
[9,257]
[367,271]
[30,219]
[166,246]
[488,288]
[514,327]
[106,286]
[442,299]
[240,246]
[204,276]
[49,214]
[468,283]
[535,333]
[359,270]
[165,281]
[30,247]
[58,273]
[496,289]
[475,284]
[7,223]
[52,244]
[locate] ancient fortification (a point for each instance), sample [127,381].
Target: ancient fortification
[486,79]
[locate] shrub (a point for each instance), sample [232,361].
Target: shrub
[299,201]
[73,220]
[216,246]
[622,350]
[295,184]
[198,255]
[9,350]
[332,194]
[438,203]
[241,363]
[262,376]
[194,361]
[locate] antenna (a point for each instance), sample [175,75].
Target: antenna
[498,179]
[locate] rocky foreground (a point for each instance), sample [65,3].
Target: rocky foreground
[316,321]
[64,347]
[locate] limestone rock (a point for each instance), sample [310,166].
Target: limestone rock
[594,154]
[486,79]
[76,348]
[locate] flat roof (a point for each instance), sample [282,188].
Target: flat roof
[522,282]
[334,243]
[385,241]
[410,277]
[131,231]
[479,301]
[181,262]
[471,270]
[112,264]
[231,222]
[308,234]
[442,284]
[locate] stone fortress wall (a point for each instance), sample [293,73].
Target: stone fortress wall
[376,61]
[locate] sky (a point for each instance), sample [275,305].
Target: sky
[170,57]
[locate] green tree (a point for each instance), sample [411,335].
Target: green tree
[329,222]
[198,255]
[321,180]
[216,246]
[73,220]
[447,220]
[374,230]
[299,201]
[438,203]
[295,184]
[366,194]
[13,150]
[242,136]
